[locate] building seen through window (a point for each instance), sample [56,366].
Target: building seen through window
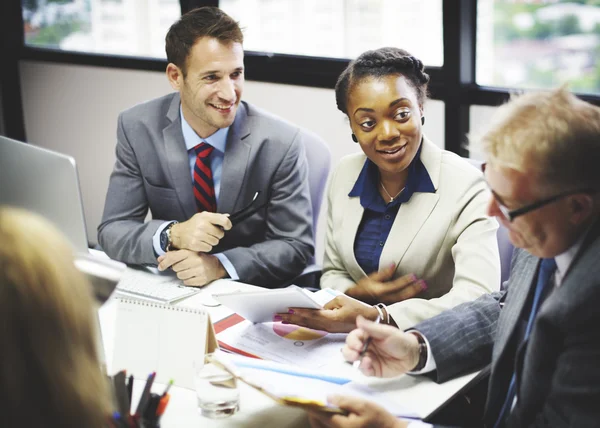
[340,28]
[524,44]
[539,44]
[122,27]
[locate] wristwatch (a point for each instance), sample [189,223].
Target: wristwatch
[165,237]
[422,353]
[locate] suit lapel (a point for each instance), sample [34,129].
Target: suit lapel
[178,160]
[411,217]
[520,286]
[235,162]
[414,213]
[350,222]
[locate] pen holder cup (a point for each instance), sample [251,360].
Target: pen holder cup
[216,391]
[145,423]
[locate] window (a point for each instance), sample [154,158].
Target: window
[122,27]
[340,28]
[539,44]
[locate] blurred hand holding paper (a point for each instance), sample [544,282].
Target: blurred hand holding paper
[275,341]
[281,382]
[283,343]
[260,306]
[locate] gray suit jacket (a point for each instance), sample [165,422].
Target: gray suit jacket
[152,172]
[558,372]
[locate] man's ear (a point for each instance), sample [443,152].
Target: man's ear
[581,206]
[175,76]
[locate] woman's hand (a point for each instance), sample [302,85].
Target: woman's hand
[361,414]
[337,316]
[391,352]
[380,288]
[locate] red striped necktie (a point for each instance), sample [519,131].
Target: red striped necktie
[204,189]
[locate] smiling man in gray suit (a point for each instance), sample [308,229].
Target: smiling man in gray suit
[194,157]
[541,335]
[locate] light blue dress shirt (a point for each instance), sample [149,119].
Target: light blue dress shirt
[218,141]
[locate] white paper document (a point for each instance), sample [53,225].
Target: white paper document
[288,382]
[284,343]
[260,306]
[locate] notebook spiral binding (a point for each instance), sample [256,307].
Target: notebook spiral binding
[161,305]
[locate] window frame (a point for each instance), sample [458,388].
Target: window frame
[454,83]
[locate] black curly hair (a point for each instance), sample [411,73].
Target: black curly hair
[379,63]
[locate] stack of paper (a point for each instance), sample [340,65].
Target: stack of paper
[302,388]
[248,334]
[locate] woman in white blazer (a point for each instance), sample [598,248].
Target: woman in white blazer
[405,218]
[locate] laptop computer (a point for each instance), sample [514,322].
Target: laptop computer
[44,182]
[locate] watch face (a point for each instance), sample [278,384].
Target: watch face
[164,239]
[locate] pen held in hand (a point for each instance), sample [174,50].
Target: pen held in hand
[357,363]
[249,210]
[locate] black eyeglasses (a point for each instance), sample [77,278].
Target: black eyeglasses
[510,215]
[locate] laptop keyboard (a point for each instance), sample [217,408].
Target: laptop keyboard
[153,287]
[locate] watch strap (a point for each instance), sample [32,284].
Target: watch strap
[422,352]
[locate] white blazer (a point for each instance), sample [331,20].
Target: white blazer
[445,237]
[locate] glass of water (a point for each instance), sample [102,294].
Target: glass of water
[216,389]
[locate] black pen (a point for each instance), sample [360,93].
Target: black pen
[145,396]
[121,393]
[356,364]
[249,210]
[130,388]
[149,414]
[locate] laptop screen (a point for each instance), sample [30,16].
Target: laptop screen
[44,182]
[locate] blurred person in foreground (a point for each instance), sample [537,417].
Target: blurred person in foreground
[50,373]
[541,335]
[407,224]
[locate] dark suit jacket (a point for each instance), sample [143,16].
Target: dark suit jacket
[558,372]
[152,172]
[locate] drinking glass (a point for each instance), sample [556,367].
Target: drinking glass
[216,389]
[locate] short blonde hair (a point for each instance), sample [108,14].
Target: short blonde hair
[551,133]
[49,370]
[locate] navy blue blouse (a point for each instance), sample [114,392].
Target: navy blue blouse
[379,216]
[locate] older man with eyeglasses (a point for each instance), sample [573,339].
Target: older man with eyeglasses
[543,343]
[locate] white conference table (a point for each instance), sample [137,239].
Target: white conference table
[417,393]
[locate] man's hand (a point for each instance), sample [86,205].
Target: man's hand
[361,414]
[201,232]
[379,288]
[391,352]
[195,269]
[337,316]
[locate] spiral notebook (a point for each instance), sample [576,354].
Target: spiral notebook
[155,337]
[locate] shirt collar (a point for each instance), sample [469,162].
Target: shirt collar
[218,140]
[564,260]
[367,184]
